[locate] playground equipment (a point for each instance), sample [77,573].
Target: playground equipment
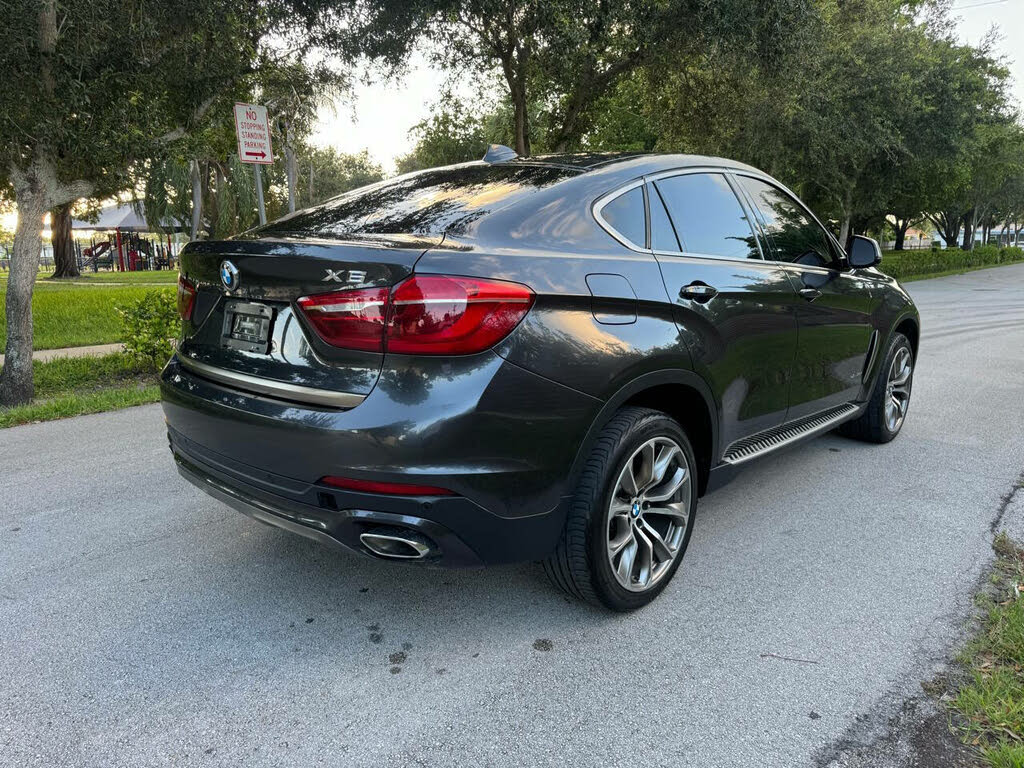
[128,245]
[126,252]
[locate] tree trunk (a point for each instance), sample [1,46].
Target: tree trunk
[289,155]
[215,201]
[951,231]
[197,201]
[969,228]
[515,76]
[522,121]
[32,198]
[844,231]
[902,225]
[65,259]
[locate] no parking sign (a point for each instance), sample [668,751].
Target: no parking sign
[253,131]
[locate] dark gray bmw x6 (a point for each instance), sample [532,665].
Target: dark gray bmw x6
[528,359]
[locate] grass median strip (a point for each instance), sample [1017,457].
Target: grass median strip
[74,386]
[991,700]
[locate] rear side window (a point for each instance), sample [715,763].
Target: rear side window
[625,214]
[795,237]
[707,217]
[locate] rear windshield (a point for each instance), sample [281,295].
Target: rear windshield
[432,202]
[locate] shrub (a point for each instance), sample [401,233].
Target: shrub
[150,324]
[900,264]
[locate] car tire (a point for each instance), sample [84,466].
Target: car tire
[613,502]
[875,424]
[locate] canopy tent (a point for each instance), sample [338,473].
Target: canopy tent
[124,241]
[123,217]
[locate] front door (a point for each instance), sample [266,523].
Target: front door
[834,314]
[735,311]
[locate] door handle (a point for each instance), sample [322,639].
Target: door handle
[698,291]
[810,293]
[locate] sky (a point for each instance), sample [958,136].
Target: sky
[380,115]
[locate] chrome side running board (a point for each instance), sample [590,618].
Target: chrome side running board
[772,439]
[271,388]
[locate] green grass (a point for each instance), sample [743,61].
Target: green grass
[78,373]
[992,700]
[73,386]
[66,315]
[76,404]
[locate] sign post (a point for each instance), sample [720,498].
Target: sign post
[253,131]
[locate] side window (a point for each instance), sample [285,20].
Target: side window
[663,236]
[795,236]
[708,218]
[625,214]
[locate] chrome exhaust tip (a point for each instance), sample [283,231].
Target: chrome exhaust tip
[397,544]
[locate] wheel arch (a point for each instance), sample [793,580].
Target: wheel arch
[683,395]
[909,326]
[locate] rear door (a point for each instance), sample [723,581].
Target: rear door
[736,311]
[836,305]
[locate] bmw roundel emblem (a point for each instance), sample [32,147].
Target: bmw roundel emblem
[229,275]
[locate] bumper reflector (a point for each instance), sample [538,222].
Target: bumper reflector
[393,489]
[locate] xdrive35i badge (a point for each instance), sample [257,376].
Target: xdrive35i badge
[229,275]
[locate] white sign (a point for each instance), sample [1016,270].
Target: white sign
[253,132]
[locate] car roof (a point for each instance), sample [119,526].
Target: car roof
[644,162]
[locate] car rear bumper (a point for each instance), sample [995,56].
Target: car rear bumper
[501,439]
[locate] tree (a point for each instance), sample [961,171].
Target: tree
[569,54]
[77,118]
[325,173]
[450,135]
[201,182]
[997,166]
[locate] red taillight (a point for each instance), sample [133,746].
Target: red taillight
[186,297]
[423,315]
[349,319]
[395,489]
[435,315]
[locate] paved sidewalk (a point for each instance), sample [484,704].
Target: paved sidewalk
[45,355]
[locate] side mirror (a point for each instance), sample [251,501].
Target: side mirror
[863,252]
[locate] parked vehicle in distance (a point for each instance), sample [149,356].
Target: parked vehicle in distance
[528,359]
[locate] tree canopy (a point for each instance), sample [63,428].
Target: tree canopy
[89,90]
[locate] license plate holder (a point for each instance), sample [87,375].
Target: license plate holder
[247,326]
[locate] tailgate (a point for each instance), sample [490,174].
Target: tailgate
[246,330]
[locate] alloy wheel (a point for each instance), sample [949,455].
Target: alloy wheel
[649,513]
[897,389]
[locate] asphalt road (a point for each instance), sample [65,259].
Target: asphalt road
[142,623]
